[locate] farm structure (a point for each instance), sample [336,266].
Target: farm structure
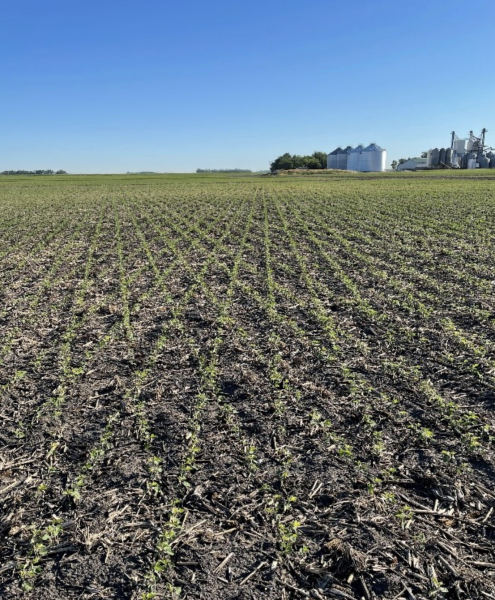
[412,164]
[466,153]
[253,388]
[373,158]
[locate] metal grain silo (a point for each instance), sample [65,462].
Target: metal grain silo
[491,156]
[332,158]
[435,155]
[448,156]
[441,156]
[483,161]
[471,160]
[373,158]
[343,157]
[354,158]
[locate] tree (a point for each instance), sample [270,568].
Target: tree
[312,162]
[396,163]
[22,172]
[297,161]
[285,161]
[322,158]
[223,171]
[317,160]
[424,154]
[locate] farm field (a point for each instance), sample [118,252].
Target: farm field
[247,387]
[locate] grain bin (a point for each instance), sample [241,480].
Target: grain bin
[491,156]
[471,160]
[448,157]
[483,161]
[343,157]
[435,155]
[354,158]
[373,158]
[332,158]
[441,156]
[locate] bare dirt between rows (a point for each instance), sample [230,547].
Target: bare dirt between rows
[217,399]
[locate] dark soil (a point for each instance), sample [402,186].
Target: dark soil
[221,391]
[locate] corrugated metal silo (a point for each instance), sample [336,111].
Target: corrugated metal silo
[448,157]
[428,158]
[354,158]
[373,158]
[342,158]
[483,161]
[470,160]
[441,156]
[435,155]
[332,158]
[491,156]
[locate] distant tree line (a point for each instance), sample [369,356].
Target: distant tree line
[37,172]
[318,160]
[223,171]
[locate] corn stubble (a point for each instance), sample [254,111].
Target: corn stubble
[249,387]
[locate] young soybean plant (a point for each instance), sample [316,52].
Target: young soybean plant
[209,376]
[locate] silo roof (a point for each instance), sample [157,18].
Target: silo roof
[359,148]
[336,151]
[347,150]
[373,148]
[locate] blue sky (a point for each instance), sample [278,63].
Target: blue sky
[166,86]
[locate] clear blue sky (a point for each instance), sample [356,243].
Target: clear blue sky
[115,86]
